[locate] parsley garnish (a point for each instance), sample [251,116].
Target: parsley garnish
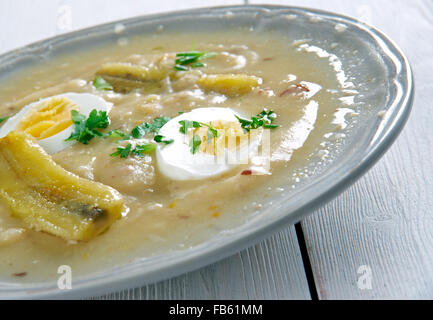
[178,67]
[187,124]
[116,134]
[191,58]
[154,126]
[197,65]
[161,139]
[141,149]
[137,133]
[123,152]
[101,84]
[85,128]
[195,143]
[3,119]
[211,132]
[263,119]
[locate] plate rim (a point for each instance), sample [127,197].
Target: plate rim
[95,285]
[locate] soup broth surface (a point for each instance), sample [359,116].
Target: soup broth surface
[166,215]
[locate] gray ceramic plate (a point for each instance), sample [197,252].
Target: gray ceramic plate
[374,57]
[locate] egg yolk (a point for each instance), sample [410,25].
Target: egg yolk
[48,118]
[231,136]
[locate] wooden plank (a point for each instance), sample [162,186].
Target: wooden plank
[272,269]
[385,220]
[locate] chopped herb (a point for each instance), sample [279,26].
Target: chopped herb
[191,58]
[154,126]
[245,124]
[178,67]
[197,65]
[123,152]
[158,123]
[115,134]
[138,132]
[3,119]
[97,119]
[211,132]
[101,84]
[161,139]
[187,59]
[263,119]
[187,124]
[141,149]
[270,126]
[85,128]
[267,116]
[195,143]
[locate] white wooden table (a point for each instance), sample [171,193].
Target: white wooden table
[383,224]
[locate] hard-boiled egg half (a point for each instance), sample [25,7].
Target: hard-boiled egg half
[49,120]
[212,156]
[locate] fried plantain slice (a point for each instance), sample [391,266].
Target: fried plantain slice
[229,84]
[125,77]
[48,198]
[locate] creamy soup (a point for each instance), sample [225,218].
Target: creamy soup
[300,83]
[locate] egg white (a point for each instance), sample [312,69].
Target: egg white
[86,102]
[176,161]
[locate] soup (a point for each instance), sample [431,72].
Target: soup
[289,92]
